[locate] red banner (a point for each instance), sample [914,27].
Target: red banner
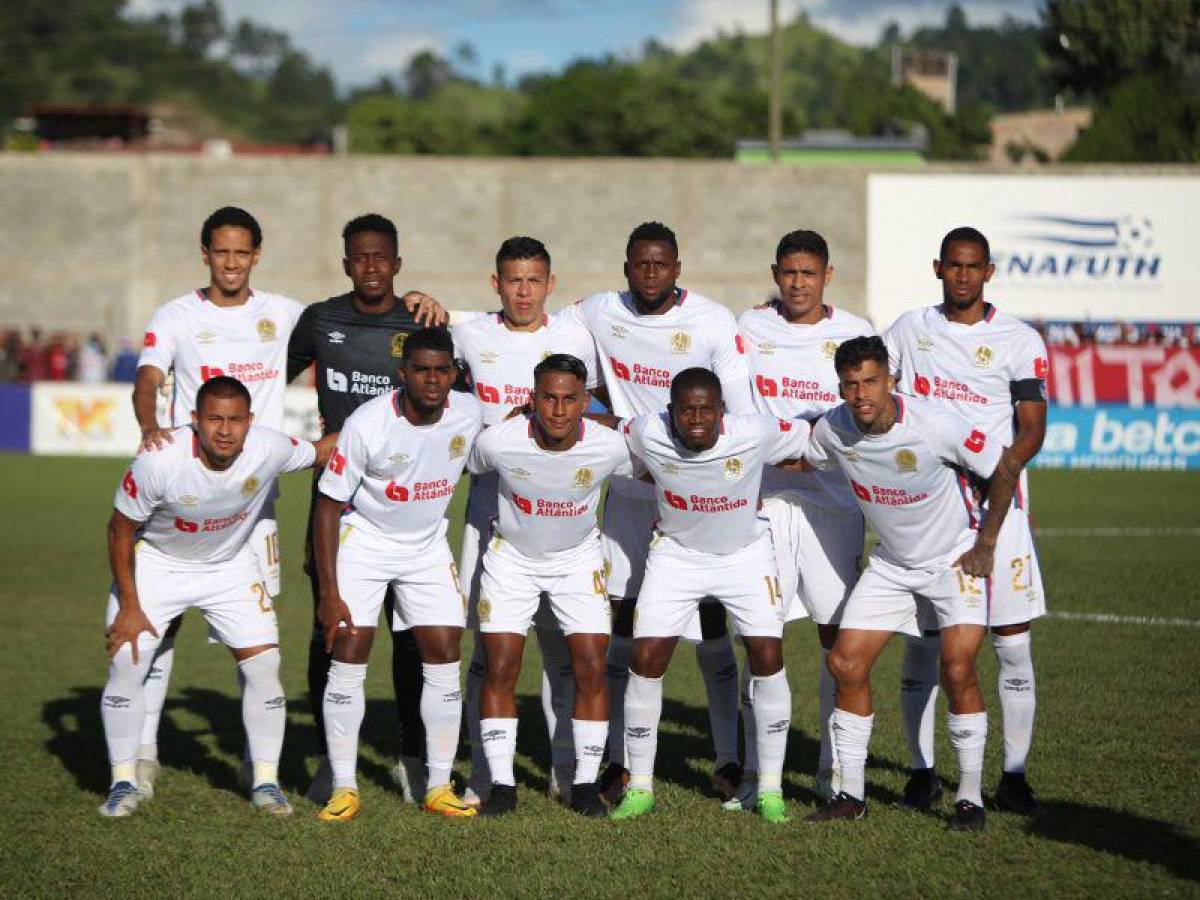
[1133,374]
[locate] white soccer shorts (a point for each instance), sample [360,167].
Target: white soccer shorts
[818,553]
[230,595]
[745,582]
[264,541]
[425,585]
[1018,594]
[889,597]
[628,527]
[482,509]
[570,583]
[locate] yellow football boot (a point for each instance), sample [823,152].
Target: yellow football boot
[444,801]
[343,806]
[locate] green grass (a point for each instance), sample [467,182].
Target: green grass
[1115,757]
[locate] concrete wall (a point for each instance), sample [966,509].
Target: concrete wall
[95,242]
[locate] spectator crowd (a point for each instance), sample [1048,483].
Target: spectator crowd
[1082,334]
[63,356]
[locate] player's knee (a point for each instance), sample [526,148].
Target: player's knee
[589,673]
[847,668]
[958,673]
[765,657]
[503,669]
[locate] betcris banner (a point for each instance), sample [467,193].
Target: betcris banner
[1120,437]
[1088,246]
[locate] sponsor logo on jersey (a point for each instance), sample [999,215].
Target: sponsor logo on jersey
[458,446]
[206,337]
[906,460]
[924,344]
[398,340]
[829,349]
[189,500]
[583,478]
[336,337]
[701,504]
[681,342]
[885,496]
[336,381]
[640,374]
[487,393]
[149,339]
[266,330]
[733,469]
[397,492]
[207,373]
[249,486]
[185,526]
[982,357]
[768,387]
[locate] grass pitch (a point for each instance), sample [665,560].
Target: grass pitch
[1115,756]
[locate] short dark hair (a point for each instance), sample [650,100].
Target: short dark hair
[651,231]
[230,217]
[522,247]
[965,234]
[561,362]
[695,377]
[427,339]
[853,353]
[802,241]
[222,387]
[373,223]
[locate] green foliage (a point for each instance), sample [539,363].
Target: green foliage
[1145,118]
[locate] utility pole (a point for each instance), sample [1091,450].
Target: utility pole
[775,125]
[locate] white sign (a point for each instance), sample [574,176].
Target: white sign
[71,419]
[1064,247]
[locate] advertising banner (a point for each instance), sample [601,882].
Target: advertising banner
[1137,375]
[14,418]
[1120,437]
[1080,247]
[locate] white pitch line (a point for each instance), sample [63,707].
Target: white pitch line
[1110,619]
[1117,532]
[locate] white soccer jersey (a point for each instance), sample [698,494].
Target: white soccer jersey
[194,514]
[502,361]
[791,367]
[397,477]
[200,340]
[709,501]
[923,510]
[548,500]
[971,368]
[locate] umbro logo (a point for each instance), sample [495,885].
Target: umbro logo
[778,727]
[637,733]
[495,734]
[593,750]
[112,701]
[924,343]
[276,703]
[1017,685]
[336,337]
[455,697]
[338,699]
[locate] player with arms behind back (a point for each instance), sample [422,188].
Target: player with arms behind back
[909,464]
[990,367]
[178,537]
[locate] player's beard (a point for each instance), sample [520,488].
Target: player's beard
[961,305]
[658,300]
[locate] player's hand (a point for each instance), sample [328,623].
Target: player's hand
[331,613]
[155,438]
[324,448]
[425,309]
[977,562]
[129,623]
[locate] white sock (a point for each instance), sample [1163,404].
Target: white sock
[643,709]
[1018,697]
[968,737]
[122,707]
[827,760]
[719,667]
[500,746]
[918,697]
[155,692]
[616,673]
[773,715]
[343,707]
[558,700]
[264,713]
[589,738]
[481,775]
[749,728]
[851,737]
[441,711]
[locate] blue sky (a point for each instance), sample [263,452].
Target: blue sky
[362,39]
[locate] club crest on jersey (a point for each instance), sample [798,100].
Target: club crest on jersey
[518,473]
[489,356]
[266,330]
[398,340]
[828,349]
[924,343]
[458,446]
[484,609]
[205,337]
[249,486]
[906,460]
[583,478]
[733,469]
[982,357]
[189,500]
[681,342]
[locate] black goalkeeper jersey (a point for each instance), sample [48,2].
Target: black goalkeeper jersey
[356,355]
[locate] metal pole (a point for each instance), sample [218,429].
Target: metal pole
[775,125]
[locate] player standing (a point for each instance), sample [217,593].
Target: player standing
[179,537]
[355,341]
[379,527]
[500,351]
[991,367]
[645,336]
[551,466]
[908,463]
[816,524]
[709,541]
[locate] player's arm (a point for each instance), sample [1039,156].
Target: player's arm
[1002,485]
[608,420]
[324,448]
[146,385]
[424,308]
[131,620]
[331,610]
[302,350]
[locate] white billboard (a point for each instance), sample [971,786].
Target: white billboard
[1073,247]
